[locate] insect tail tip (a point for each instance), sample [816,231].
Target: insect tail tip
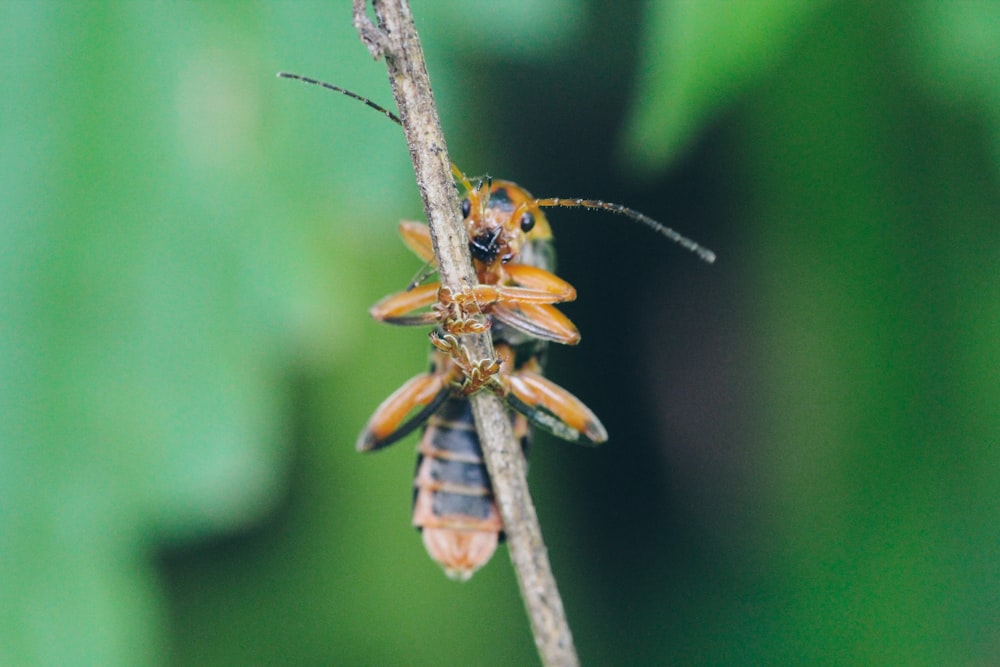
[366,442]
[458,574]
[596,432]
[460,552]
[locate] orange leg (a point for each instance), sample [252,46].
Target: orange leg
[417,237]
[554,409]
[476,297]
[539,320]
[399,308]
[535,278]
[386,426]
[524,305]
[538,285]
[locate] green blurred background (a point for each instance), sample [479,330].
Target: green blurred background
[803,465]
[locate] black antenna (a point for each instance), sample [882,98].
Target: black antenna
[461,177]
[703,253]
[343,91]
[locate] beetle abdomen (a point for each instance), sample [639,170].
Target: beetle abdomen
[453,501]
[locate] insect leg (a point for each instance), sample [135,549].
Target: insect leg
[539,320]
[537,278]
[417,237]
[535,317]
[399,308]
[549,406]
[475,374]
[386,426]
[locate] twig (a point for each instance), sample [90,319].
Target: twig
[396,38]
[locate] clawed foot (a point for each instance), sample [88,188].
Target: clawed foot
[475,374]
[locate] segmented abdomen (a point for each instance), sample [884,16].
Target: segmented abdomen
[453,502]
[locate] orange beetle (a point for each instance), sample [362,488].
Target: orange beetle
[510,241]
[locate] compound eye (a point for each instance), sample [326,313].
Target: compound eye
[466,208]
[527,222]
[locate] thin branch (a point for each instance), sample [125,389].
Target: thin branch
[370,35]
[396,38]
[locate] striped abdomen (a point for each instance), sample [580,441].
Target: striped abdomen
[453,502]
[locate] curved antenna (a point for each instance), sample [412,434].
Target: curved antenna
[343,91]
[459,175]
[703,253]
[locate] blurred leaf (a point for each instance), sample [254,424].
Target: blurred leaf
[154,291]
[524,30]
[874,225]
[955,50]
[695,57]
[957,46]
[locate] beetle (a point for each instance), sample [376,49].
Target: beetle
[453,501]
[511,245]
